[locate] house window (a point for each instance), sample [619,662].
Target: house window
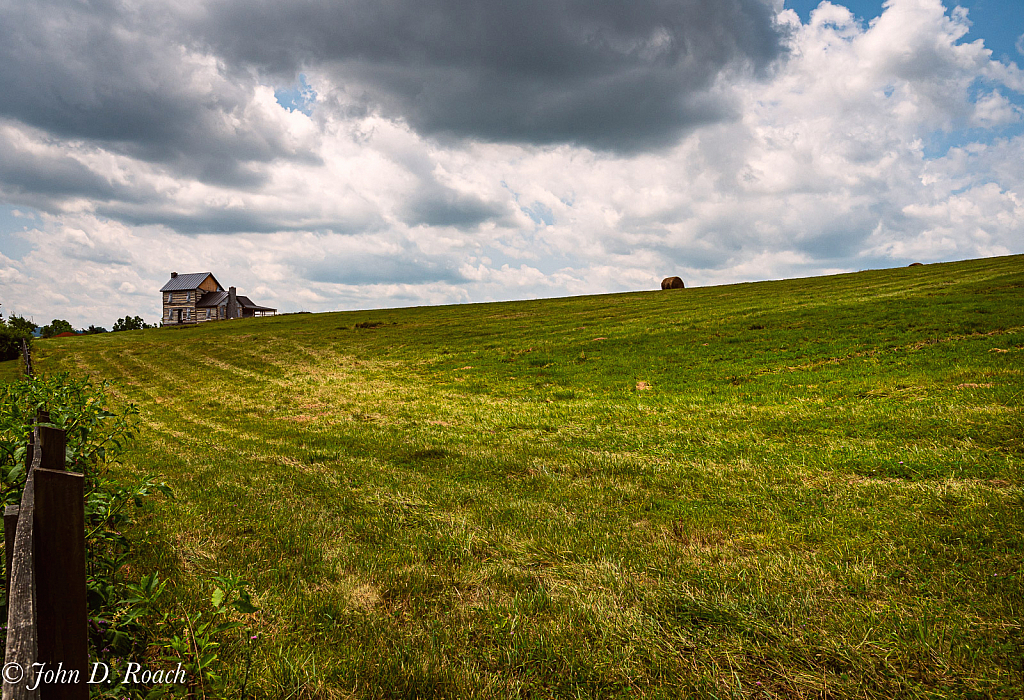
[188,296]
[167,298]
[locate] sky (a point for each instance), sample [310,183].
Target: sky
[340,155]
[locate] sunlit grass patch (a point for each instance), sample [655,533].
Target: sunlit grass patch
[788,489]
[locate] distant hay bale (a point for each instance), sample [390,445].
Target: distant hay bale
[672,283]
[915,264]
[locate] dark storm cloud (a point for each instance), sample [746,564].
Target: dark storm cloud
[435,205]
[235,220]
[49,177]
[173,85]
[122,75]
[612,75]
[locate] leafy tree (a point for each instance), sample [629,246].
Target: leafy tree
[21,323]
[131,323]
[94,329]
[56,327]
[12,332]
[10,343]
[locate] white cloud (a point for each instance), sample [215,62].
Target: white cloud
[829,166]
[994,110]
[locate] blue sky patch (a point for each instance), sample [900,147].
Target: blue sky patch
[13,245]
[540,214]
[938,143]
[1000,23]
[300,97]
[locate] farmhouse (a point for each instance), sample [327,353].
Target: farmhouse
[198,296]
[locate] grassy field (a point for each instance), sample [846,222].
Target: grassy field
[804,488]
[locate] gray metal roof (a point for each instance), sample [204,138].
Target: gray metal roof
[190,280]
[247,303]
[213,299]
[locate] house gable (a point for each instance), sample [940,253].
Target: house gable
[210,284]
[192,281]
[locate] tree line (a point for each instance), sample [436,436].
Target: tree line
[58,326]
[15,328]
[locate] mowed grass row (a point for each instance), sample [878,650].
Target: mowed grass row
[802,488]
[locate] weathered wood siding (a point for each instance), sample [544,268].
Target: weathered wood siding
[179,301]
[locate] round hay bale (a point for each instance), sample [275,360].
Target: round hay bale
[915,264]
[672,283]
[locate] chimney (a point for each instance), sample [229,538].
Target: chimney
[173,275]
[232,303]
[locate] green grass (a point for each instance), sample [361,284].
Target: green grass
[805,488]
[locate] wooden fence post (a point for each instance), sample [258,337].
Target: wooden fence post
[62,614]
[48,616]
[30,453]
[54,446]
[27,356]
[41,417]
[10,531]
[11,512]
[21,610]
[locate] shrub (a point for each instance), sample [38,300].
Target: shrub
[10,342]
[95,434]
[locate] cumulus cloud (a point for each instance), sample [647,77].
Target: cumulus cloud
[467,154]
[121,75]
[995,110]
